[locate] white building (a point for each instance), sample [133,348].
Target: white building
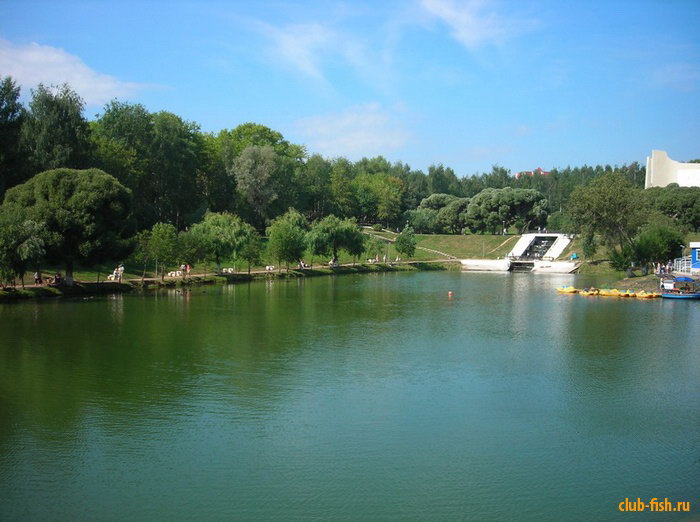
[662,170]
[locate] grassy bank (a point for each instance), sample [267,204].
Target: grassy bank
[84,289]
[77,290]
[649,283]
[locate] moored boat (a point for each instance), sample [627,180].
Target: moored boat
[567,290]
[680,288]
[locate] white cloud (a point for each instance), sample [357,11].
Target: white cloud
[301,46]
[475,23]
[311,49]
[362,130]
[33,63]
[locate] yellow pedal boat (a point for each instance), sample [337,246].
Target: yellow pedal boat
[607,292]
[647,295]
[567,290]
[628,293]
[592,291]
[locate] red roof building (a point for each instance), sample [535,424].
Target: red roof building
[538,170]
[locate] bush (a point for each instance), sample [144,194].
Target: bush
[377,227]
[621,260]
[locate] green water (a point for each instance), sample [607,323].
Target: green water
[349,398]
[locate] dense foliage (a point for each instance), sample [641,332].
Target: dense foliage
[181,194]
[85,212]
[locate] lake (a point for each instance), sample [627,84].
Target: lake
[346,398]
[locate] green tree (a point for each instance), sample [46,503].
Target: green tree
[22,243]
[452,218]
[214,182]
[443,180]
[260,178]
[423,220]
[123,142]
[190,247]
[221,235]
[405,243]
[611,207]
[314,185]
[679,203]
[12,115]
[235,141]
[251,248]
[85,213]
[331,234]
[172,183]
[355,242]
[287,238]
[162,246]
[142,252]
[495,209]
[374,246]
[343,201]
[657,242]
[55,132]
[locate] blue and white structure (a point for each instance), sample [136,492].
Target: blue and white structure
[689,264]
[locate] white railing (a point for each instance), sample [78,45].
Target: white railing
[682,264]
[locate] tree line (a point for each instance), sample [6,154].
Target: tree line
[83,217]
[79,191]
[176,172]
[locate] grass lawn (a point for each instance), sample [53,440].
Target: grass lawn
[462,247]
[470,246]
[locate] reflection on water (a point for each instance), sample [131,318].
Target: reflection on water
[348,398]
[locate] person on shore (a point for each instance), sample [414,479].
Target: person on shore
[57,280]
[187,269]
[37,278]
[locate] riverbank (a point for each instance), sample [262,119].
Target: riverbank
[648,283]
[86,289]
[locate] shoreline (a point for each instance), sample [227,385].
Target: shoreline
[86,289]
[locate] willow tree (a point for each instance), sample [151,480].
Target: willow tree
[85,212]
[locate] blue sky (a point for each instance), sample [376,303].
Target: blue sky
[465,83]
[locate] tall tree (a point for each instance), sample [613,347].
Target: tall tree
[261,177]
[331,234]
[443,180]
[11,118]
[251,246]
[22,243]
[175,156]
[86,213]
[287,239]
[611,207]
[123,142]
[314,186]
[235,141]
[221,236]
[343,201]
[55,132]
[162,246]
[405,243]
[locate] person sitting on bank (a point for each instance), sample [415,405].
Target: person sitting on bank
[37,278]
[57,279]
